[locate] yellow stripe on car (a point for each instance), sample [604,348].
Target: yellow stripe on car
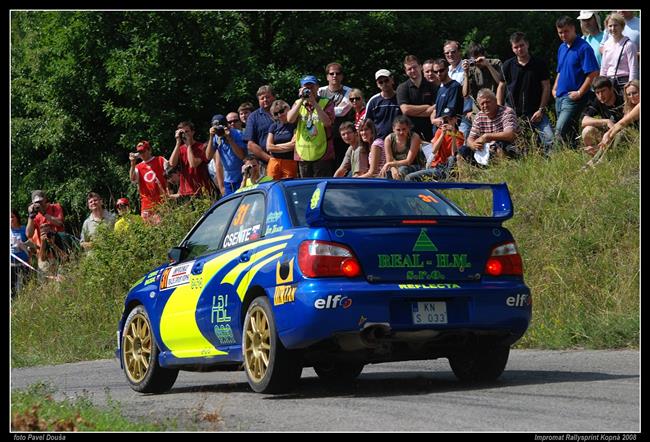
[243,285]
[178,328]
[232,275]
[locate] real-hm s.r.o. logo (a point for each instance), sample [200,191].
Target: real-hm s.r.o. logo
[335,301]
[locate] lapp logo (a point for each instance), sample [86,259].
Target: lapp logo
[518,301]
[333,302]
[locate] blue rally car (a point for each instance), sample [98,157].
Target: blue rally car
[332,274]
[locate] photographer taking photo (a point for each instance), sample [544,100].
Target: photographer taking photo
[40,211]
[226,151]
[150,177]
[251,172]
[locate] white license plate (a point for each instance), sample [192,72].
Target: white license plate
[429,312]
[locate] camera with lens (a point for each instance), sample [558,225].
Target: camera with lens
[182,135]
[306,93]
[471,61]
[247,169]
[220,130]
[34,210]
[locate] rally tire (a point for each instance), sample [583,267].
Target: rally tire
[139,354]
[269,366]
[483,364]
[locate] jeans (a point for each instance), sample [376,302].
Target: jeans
[568,114]
[465,126]
[545,133]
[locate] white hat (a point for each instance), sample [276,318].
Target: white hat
[382,73]
[586,15]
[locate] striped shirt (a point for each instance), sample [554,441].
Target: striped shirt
[506,119]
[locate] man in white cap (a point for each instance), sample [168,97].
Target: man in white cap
[382,108]
[592,31]
[40,212]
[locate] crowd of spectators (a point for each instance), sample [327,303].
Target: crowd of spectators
[450,110]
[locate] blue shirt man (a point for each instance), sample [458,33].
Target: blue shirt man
[258,123]
[227,147]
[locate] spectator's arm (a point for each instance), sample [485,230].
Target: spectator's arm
[211,148]
[508,135]
[603,123]
[554,90]
[176,153]
[194,160]
[324,118]
[257,150]
[294,112]
[416,110]
[237,148]
[218,173]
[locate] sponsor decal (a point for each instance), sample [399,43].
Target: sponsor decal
[275,228]
[284,294]
[415,260]
[428,286]
[333,301]
[314,198]
[455,260]
[396,260]
[424,243]
[220,309]
[150,280]
[284,272]
[423,275]
[241,236]
[427,198]
[196,282]
[274,217]
[520,300]
[176,276]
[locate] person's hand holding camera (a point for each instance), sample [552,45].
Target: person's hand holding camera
[133,156]
[180,135]
[246,169]
[34,209]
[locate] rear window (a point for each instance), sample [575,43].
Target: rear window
[359,202]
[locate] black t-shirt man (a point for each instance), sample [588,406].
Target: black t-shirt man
[408,93]
[524,83]
[597,109]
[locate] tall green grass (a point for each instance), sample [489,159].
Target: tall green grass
[578,233]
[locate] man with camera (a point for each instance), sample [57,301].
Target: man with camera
[314,116]
[226,150]
[251,172]
[40,211]
[150,177]
[482,73]
[189,156]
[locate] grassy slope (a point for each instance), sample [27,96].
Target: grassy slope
[578,233]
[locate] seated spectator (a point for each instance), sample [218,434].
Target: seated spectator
[41,211]
[54,249]
[375,147]
[602,112]
[244,110]
[494,131]
[402,148]
[190,157]
[619,61]
[226,150]
[359,106]
[124,216]
[382,108]
[251,172]
[20,254]
[445,143]
[281,143]
[98,216]
[355,161]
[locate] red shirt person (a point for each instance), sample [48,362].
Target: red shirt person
[192,162]
[40,212]
[149,175]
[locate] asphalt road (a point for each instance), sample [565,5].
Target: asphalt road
[540,391]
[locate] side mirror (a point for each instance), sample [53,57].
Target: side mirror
[177,254]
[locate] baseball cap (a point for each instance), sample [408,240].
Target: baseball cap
[585,15]
[122,202]
[382,73]
[218,119]
[143,145]
[308,79]
[37,196]
[446,112]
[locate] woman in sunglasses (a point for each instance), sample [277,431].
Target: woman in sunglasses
[281,143]
[359,106]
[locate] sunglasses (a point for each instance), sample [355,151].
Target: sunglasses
[334,74]
[280,112]
[355,98]
[233,121]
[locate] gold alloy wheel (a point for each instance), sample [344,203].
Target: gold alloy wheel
[257,344]
[137,348]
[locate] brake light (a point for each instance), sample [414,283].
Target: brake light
[504,260]
[323,258]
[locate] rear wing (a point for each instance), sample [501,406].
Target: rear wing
[502,208]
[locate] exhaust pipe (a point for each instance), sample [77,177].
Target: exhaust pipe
[372,334]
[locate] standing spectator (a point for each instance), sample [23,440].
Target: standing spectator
[445,143]
[619,61]
[190,157]
[428,72]
[359,106]
[415,97]
[314,116]
[226,150]
[600,115]
[451,50]
[41,211]
[449,96]
[592,31]
[375,147]
[258,123]
[234,122]
[19,251]
[281,143]
[355,162]
[98,216]
[529,88]
[149,175]
[382,108]
[632,29]
[482,73]
[402,149]
[244,110]
[124,216]
[494,131]
[338,94]
[576,69]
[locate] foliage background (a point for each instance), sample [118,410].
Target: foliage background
[86,86]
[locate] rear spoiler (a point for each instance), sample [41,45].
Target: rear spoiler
[502,209]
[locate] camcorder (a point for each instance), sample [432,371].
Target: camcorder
[306,93]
